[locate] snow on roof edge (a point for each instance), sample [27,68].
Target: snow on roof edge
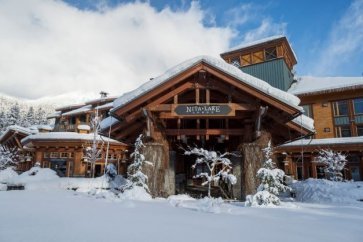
[54,136]
[327,141]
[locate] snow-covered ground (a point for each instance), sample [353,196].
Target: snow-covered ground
[53,213]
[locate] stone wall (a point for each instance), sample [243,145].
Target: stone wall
[161,175]
[252,160]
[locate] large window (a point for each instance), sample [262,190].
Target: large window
[348,117]
[308,110]
[341,108]
[358,105]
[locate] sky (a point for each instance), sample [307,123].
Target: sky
[49,48]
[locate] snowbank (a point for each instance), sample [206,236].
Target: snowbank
[7,174]
[136,193]
[324,191]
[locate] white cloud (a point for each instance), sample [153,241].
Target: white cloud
[266,28]
[344,42]
[49,47]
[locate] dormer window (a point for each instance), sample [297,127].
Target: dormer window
[270,53]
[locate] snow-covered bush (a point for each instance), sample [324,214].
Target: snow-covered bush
[271,183]
[334,163]
[7,174]
[212,160]
[135,176]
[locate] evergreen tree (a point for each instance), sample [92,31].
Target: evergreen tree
[334,164]
[13,115]
[3,121]
[271,183]
[41,116]
[135,176]
[29,118]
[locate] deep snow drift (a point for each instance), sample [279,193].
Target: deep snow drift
[47,211]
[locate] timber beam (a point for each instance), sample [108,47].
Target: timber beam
[196,132]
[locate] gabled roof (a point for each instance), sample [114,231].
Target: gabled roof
[284,97]
[15,129]
[306,85]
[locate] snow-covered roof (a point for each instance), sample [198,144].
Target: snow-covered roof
[105,106]
[58,136]
[80,110]
[315,85]
[258,42]
[220,64]
[67,107]
[102,99]
[44,127]
[17,129]
[57,114]
[107,122]
[305,121]
[325,142]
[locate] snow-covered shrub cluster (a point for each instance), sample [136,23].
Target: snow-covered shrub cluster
[213,161]
[334,163]
[271,183]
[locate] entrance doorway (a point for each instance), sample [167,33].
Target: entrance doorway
[185,180]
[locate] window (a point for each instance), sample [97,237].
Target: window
[360,130]
[71,154]
[46,154]
[54,155]
[64,155]
[236,62]
[343,131]
[270,53]
[358,105]
[308,110]
[341,108]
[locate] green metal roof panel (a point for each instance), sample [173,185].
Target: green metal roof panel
[275,72]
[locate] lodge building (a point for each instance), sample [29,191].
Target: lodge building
[208,103]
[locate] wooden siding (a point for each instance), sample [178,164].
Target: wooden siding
[323,118]
[275,72]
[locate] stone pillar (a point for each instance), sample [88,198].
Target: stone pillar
[161,175]
[252,160]
[237,171]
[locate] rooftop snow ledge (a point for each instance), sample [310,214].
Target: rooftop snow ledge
[220,64]
[310,84]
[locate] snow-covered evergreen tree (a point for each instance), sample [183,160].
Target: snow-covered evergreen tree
[135,176]
[334,163]
[271,182]
[13,116]
[212,160]
[7,158]
[2,121]
[29,118]
[41,116]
